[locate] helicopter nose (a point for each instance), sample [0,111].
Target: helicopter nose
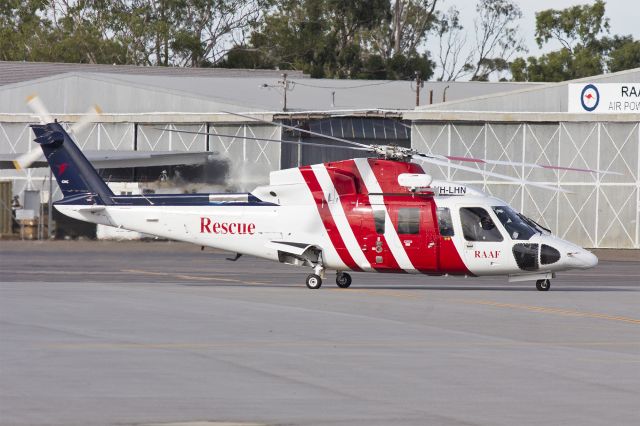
[582,259]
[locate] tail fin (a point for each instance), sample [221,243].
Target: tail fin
[75,175]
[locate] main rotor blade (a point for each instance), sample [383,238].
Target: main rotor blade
[35,104]
[361,145]
[265,140]
[517,164]
[432,160]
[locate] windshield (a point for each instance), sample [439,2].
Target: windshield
[535,224]
[516,227]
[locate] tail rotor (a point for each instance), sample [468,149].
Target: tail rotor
[39,110]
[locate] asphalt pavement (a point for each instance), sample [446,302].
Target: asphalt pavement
[137,333]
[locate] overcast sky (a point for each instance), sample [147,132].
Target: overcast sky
[623,18]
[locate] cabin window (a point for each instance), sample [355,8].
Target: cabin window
[513,223]
[477,225]
[379,218]
[409,221]
[444,221]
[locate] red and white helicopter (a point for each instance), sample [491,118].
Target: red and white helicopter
[383,214]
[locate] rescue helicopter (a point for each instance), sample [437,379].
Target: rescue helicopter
[383,213]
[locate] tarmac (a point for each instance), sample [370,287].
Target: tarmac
[141,333]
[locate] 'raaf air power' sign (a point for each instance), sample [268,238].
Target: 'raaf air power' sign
[605,98]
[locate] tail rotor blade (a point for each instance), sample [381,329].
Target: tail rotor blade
[93,113]
[38,108]
[27,159]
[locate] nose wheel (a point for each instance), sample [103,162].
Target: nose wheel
[314,281]
[343,280]
[543,285]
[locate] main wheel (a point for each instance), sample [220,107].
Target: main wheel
[343,280]
[543,285]
[314,281]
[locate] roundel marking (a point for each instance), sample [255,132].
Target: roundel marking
[590,97]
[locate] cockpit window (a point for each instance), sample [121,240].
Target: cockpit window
[444,221]
[541,229]
[514,224]
[477,225]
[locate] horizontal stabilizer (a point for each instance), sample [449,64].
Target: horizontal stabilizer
[91,209]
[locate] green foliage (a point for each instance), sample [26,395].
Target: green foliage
[141,32]
[497,37]
[559,65]
[23,33]
[586,50]
[330,38]
[578,24]
[372,39]
[624,53]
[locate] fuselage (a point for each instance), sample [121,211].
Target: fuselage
[353,215]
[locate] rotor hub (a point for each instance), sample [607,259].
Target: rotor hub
[393,152]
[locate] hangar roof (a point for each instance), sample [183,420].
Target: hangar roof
[16,72]
[549,97]
[141,93]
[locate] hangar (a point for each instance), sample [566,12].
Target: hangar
[505,121]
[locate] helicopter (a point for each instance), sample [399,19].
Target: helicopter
[380,214]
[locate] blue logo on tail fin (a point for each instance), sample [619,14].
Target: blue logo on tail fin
[73,172]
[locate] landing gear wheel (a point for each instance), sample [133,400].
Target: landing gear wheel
[343,280]
[314,281]
[543,285]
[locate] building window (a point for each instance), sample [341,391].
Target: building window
[409,221]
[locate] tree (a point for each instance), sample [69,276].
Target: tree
[193,33]
[405,27]
[559,65]
[160,32]
[451,43]
[23,31]
[574,26]
[329,38]
[80,33]
[497,38]
[586,49]
[623,53]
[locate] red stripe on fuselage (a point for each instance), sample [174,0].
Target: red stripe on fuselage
[450,261]
[423,259]
[327,219]
[359,213]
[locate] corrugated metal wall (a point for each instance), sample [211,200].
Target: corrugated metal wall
[602,210]
[249,161]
